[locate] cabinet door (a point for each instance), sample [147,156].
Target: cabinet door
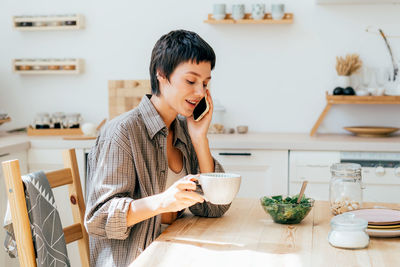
[264,172]
[5,260]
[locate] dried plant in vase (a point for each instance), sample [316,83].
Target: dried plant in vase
[346,66]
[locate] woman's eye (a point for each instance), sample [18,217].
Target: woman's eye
[190,82]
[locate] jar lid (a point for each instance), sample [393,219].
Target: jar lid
[348,221]
[346,169]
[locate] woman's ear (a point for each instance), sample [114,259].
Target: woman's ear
[160,77]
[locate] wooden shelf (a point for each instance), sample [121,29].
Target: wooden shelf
[5,120]
[353,99]
[46,23]
[43,132]
[48,66]
[287,19]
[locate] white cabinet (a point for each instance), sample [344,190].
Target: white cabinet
[5,260]
[351,2]
[264,172]
[314,166]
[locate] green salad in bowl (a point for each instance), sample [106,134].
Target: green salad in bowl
[285,209]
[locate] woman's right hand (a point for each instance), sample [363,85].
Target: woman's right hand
[180,195]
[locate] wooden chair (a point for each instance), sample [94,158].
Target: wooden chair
[19,213]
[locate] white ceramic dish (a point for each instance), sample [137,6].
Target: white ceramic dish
[383,233]
[379,216]
[392,93]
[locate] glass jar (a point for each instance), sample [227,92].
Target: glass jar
[217,122]
[348,231]
[57,119]
[72,120]
[345,187]
[42,121]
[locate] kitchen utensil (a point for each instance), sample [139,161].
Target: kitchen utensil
[303,188]
[371,131]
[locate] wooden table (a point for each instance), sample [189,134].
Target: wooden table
[247,236]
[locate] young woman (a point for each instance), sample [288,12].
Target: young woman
[142,164]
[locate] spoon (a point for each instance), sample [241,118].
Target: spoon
[303,188]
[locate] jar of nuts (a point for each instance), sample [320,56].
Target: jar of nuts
[345,187]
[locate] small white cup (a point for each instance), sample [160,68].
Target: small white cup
[277,11]
[238,11]
[219,188]
[258,11]
[89,129]
[219,11]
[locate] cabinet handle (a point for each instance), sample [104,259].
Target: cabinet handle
[234,154]
[4,155]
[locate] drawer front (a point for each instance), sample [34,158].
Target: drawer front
[264,172]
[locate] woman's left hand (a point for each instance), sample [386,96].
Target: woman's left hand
[198,129]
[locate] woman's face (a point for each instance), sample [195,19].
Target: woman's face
[186,86]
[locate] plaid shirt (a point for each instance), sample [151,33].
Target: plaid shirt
[128,162]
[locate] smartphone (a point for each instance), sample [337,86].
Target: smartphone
[201,109]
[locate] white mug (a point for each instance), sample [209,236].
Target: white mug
[219,11]
[258,11]
[219,188]
[277,11]
[238,11]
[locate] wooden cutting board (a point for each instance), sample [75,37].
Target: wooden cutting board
[124,95]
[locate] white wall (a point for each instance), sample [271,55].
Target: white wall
[271,77]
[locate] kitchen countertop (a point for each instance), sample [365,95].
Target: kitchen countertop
[247,236]
[272,141]
[303,141]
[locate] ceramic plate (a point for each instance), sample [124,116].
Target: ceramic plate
[392,93]
[384,227]
[383,233]
[370,131]
[379,216]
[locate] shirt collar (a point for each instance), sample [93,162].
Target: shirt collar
[178,125]
[153,121]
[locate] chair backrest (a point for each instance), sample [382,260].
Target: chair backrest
[19,213]
[124,95]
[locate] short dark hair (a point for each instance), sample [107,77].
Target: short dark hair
[175,48]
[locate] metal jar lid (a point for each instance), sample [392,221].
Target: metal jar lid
[350,170]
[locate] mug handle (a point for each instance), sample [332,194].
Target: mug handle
[199,189]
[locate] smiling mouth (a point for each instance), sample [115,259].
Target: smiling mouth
[192,102]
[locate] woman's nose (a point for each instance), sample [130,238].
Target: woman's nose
[200,90]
